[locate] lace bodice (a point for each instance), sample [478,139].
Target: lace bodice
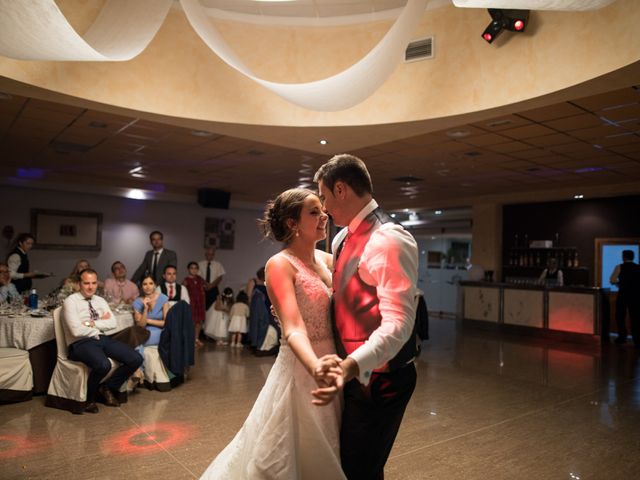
[314,300]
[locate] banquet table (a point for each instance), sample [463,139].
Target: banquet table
[37,336]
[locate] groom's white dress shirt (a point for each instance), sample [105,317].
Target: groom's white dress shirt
[389,263]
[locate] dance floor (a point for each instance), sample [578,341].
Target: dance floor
[485,407]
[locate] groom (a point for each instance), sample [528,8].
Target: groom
[374,282]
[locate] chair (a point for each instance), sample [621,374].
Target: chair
[156,375]
[16,376]
[68,386]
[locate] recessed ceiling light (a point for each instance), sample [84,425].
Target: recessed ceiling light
[578,196]
[138,175]
[438,212]
[393,215]
[323,142]
[499,123]
[458,133]
[137,169]
[200,133]
[136,194]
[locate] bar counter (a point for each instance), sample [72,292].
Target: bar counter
[575,313]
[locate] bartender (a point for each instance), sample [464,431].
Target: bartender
[552,275]
[18,262]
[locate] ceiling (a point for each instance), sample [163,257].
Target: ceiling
[575,144]
[306,8]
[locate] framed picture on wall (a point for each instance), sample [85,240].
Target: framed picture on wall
[219,233]
[66,230]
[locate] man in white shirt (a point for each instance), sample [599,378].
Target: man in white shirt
[212,272]
[86,319]
[8,292]
[373,310]
[174,291]
[18,262]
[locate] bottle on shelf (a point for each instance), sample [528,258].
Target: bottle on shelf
[576,262]
[569,260]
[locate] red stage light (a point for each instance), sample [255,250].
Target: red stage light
[518,25]
[147,439]
[12,446]
[487,37]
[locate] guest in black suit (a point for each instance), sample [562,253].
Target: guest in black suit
[627,277]
[155,260]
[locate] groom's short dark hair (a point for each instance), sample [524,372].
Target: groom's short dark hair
[348,169]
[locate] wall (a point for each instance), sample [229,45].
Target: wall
[125,229]
[578,223]
[487,225]
[178,76]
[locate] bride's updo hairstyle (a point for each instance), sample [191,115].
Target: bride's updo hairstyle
[287,205]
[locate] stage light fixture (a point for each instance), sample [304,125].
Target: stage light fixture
[503,19]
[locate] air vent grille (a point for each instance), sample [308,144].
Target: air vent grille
[419,50]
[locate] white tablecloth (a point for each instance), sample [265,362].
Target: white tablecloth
[25,332]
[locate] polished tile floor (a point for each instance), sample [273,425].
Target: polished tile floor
[486,407]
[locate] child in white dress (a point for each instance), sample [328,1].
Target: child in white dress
[217,321]
[239,314]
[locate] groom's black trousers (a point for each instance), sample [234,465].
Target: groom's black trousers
[371,419]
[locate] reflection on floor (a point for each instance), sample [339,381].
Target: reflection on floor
[486,407]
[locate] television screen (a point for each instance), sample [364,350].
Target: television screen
[612,256]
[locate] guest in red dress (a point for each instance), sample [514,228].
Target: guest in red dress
[195,286]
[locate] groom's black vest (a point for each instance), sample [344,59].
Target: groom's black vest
[355,311]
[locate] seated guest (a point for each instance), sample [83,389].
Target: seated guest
[174,291]
[8,291]
[119,289]
[86,317]
[150,310]
[18,262]
[71,284]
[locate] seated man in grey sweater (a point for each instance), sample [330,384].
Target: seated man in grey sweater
[86,318]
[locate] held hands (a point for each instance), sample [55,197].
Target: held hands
[106,315]
[329,376]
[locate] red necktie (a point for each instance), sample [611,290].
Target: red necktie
[171,290]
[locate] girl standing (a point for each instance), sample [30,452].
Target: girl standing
[217,323]
[239,314]
[194,284]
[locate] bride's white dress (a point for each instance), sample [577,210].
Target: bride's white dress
[285,436]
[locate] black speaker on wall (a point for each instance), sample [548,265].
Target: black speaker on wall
[213,198]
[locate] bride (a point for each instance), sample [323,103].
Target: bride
[290,434]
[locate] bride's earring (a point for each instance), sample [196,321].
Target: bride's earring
[297,233]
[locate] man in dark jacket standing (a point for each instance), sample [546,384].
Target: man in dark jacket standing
[155,260]
[627,278]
